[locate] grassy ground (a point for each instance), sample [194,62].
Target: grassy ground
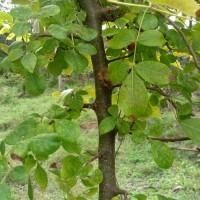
[136,171]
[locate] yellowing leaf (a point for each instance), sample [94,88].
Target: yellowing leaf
[90,96]
[4,48]
[56,94]
[189,7]
[67,71]
[156,112]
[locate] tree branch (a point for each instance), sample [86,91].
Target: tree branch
[121,58]
[197,149]
[189,46]
[170,139]
[96,156]
[112,13]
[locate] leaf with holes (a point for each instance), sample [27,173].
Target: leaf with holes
[154,72]
[162,154]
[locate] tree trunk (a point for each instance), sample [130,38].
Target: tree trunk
[108,188]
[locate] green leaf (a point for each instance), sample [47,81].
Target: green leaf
[19,173]
[41,177]
[107,125]
[161,197]
[71,147]
[149,21]
[189,7]
[123,127]
[67,130]
[58,31]
[45,144]
[49,46]
[140,197]
[122,39]
[58,64]
[86,48]
[41,61]
[151,38]
[196,40]
[95,179]
[25,130]
[21,12]
[5,191]
[75,102]
[76,60]
[162,154]
[34,45]
[87,34]
[2,148]
[56,112]
[21,149]
[15,54]
[117,72]
[114,110]
[21,28]
[29,162]
[20,2]
[175,39]
[156,129]
[133,96]
[191,128]
[185,109]
[35,83]
[3,166]
[91,192]
[71,166]
[30,189]
[29,61]
[47,11]
[154,72]
[138,137]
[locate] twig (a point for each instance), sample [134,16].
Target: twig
[197,149]
[119,146]
[157,89]
[170,139]
[189,46]
[121,58]
[96,156]
[167,96]
[37,36]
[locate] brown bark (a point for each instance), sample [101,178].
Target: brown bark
[108,188]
